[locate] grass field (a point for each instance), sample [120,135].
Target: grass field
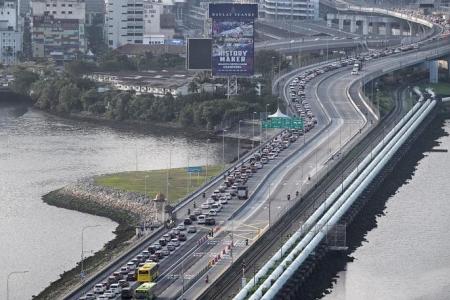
[441,89]
[154,181]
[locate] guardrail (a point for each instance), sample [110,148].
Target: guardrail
[341,206]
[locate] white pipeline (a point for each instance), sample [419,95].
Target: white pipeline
[276,287]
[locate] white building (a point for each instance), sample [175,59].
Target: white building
[290,9]
[138,21]
[11,32]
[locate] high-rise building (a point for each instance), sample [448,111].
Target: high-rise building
[11,32]
[57,29]
[139,21]
[290,9]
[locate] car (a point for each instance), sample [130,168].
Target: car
[181,227]
[197,211]
[223,201]
[171,247]
[165,252]
[354,72]
[112,279]
[182,237]
[201,219]
[155,257]
[99,288]
[115,288]
[145,254]
[193,218]
[124,270]
[167,237]
[258,165]
[127,293]
[192,229]
[162,242]
[175,242]
[227,196]
[109,294]
[212,212]
[217,207]
[101,297]
[90,296]
[157,246]
[131,276]
[187,221]
[123,283]
[210,221]
[205,205]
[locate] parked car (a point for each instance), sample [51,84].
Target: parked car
[210,221]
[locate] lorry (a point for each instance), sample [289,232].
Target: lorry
[242,192]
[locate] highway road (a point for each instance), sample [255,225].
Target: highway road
[338,122]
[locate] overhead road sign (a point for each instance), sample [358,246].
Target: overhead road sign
[286,123]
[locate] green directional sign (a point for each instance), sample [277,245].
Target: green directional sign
[285,123]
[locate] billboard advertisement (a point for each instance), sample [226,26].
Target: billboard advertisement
[198,54]
[232,38]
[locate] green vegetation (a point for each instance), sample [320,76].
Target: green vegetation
[442,89]
[180,183]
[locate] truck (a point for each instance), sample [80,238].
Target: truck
[242,192]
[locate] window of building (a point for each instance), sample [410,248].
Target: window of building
[63,5]
[70,12]
[54,4]
[54,12]
[70,5]
[63,12]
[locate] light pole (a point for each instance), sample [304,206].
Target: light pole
[7,280]
[145,182]
[253,129]
[207,157]
[239,140]
[267,105]
[223,148]
[82,247]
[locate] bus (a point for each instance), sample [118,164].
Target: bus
[148,272]
[145,291]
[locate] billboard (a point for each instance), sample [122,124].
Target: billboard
[232,38]
[199,54]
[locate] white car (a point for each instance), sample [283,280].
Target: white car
[205,205]
[115,288]
[212,212]
[227,196]
[223,201]
[99,289]
[354,72]
[258,165]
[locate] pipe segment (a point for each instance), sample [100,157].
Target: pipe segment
[276,287]
[323,207]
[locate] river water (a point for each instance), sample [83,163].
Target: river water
[405,255]
[40,153]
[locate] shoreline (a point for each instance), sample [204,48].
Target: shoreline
[124,236]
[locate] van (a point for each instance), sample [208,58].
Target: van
[116,288]
[201,219]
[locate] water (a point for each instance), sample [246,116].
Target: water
[40,153]
[407,255]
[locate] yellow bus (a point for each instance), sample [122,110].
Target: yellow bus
[145,291]
[148,272]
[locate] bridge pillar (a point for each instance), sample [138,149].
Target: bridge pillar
[341,23]
[401,28]
[433,67]
[388,28]
[375,28]
[353,25]
[365,27]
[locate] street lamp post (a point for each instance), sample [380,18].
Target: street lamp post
[7,280]
[253,129]
[145,182]
[223,147]
[239,140]
[82,247]
[267,105]
[207,158]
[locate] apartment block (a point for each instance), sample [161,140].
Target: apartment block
[11,32]
[57,29]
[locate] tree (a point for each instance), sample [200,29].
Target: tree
[77,68]
[193,87]
[23,79]
[267,61]
[69,99]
